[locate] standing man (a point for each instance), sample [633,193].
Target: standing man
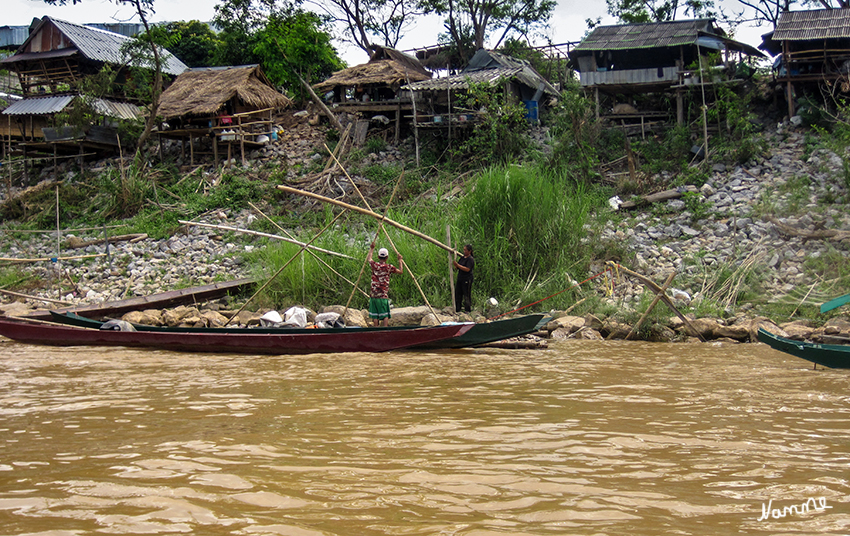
[463,289]
[379,302]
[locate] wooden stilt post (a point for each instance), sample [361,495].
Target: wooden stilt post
[451,263]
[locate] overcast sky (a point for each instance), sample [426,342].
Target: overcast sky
[568,22]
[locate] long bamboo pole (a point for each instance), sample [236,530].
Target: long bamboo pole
[383,219]
[27,296]
[41,259]
[377,234]
[309,250]
[325,228]
[266,235]
[451,264]
[369,213]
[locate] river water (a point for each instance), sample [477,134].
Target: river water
[590,438]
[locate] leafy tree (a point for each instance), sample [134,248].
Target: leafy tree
[470,23]
[239,21]
[639,11]
[295,44]
[193,42]
[368,22]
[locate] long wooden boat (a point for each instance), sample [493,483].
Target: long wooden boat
[827,355]
[489,332]
[245,341]
[479,334]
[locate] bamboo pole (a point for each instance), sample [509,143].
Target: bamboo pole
[367,212]
[309,250]
[451,264]
[266,235]
[325,228]
[41,259]
[387,234]
[654,286]
[651,306]
[27,296]
[377,233]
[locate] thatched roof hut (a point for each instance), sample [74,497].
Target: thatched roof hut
[208,90]
[386,67]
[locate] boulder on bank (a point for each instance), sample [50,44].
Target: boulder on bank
[567,323]
[408,316]
[352,317]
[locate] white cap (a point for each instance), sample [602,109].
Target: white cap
[383,252]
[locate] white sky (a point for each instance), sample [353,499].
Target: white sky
[567,24]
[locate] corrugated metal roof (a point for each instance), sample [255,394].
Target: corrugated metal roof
[13,36]
[119,110]
[101,45]
[461,81]
[39,105]
[55,104]
[649,35]
[488,67]
[814,24]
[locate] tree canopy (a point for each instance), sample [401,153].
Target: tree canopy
[294,44]
[639,11]
[470,23]
[368,22]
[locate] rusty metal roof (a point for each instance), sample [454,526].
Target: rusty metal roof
[489,68]
[813,24]
[649,35]
[57,103]
[94,44]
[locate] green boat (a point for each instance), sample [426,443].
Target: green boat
[827,355]
[484,333]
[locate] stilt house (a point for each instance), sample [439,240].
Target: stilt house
[373,89]
[437,101]
[219,109]
[51,65]
[632,59]
[813,49]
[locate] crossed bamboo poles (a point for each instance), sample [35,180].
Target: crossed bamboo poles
[346,207]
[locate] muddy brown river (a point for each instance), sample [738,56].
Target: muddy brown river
[584,438]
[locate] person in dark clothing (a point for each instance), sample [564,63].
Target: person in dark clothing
[463,289]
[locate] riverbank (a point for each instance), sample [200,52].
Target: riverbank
[757,220]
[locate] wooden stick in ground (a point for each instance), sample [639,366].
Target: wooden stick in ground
[652,305]
[654,286]
[367,212]
[282,268]
[451,262]
[266,235]
[309,250]
[331,117]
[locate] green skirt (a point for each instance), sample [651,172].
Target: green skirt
[379,308]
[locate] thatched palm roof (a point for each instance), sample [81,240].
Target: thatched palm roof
[387,66]
[205,91]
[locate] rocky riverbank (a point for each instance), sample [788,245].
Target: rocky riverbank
[758,217]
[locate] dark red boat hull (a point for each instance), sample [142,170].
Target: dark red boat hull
[342,340]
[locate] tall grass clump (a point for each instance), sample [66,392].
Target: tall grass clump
[526,226]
